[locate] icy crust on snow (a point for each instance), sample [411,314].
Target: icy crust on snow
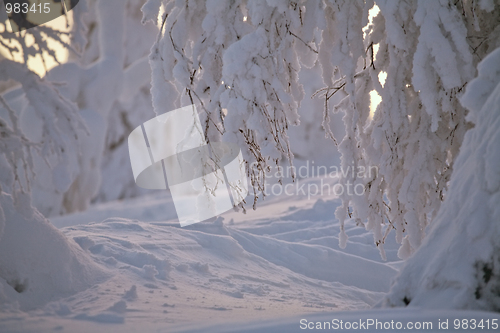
[458,264]
[37,262]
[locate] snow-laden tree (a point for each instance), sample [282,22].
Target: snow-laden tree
[458,264]
[102,83]
[58,118]
[241,60]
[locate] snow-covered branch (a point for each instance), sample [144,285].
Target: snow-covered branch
[241,60]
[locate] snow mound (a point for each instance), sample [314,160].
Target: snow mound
[37,262]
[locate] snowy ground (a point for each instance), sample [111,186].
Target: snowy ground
[261,271]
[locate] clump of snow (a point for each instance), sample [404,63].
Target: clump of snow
[150,271]
[131,294]
[151,10]
[118,307]
[458,265]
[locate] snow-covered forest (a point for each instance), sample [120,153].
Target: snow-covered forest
[369,132]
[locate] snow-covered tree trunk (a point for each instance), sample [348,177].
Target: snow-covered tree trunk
[132,108]
[94,88]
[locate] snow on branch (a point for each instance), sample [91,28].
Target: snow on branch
[245,57]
